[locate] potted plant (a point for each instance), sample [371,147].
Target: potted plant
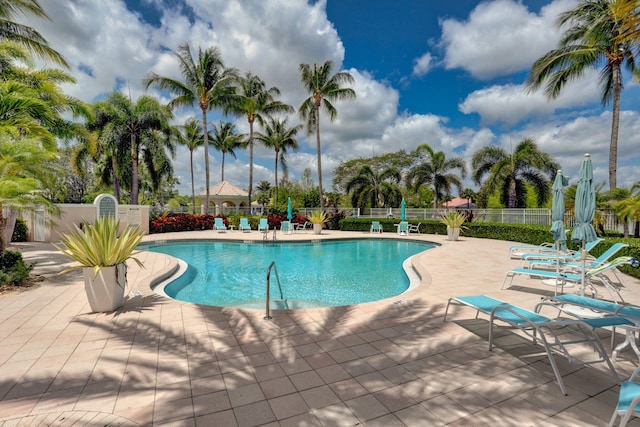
[317,218]
[102,254]
[453,220]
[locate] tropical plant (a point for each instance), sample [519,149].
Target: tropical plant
[508,173]
[191,136]
[226,140]
[100,244]
[264,193]
[591,41]
[435,171]
[280,138]
[323,87]
[375,189]
[453,219]
[317,217]
[24,35]
[207,83]
[254,100]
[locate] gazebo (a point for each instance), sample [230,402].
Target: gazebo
[224,195]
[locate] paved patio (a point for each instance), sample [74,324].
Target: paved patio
[390,363]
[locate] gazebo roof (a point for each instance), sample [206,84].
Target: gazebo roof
[225,189]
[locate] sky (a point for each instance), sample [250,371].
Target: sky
[448,74]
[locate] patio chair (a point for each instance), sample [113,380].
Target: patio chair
[413,228]
[403,228]
[263,225]
[565,256]
[244,225]
[303,227]
[285,227]
[517,251]
[375,227]
[219,225]
[576,262]
[628,400]
[552,333]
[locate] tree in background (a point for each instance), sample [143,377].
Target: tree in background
[225,139]
[435,171]
[369,188]
[207,83]
[323,88]
[591,41]
[508,173]
[191,136]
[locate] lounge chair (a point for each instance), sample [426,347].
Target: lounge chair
[375,227]
[219,225]
[577,262]
[244,225]
[285,227]
[298,227]
[517,251]
[415,228]
[403,228]
[550,332]
[564,256]
[263,225]
[628,400]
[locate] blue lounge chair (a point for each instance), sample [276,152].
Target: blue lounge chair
[219,225]
[628,400]
[285,227]
[263,225]
[403,228]
[564,256]
[577,262]
[244,225]
[375,227]
[550,332]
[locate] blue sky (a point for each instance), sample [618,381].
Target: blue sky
[449,74]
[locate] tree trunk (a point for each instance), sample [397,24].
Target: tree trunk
[116,182]
[615,124]
[206,159]
[193,186]
[276,170]
[512,194]
[222,164]
[134,170]
[319,157]
[251,119]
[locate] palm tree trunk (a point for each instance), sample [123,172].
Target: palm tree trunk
[134,171]
[512,194]
[615,124]
[251,120]
[222,166]
[276,177]
[206,159]
[116,182]
[193,187]
[319,157]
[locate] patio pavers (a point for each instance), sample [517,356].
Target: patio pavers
[392,362]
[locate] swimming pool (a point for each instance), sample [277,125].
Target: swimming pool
[312,274]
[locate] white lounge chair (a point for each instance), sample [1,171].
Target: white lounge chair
[414,228]
[299,227]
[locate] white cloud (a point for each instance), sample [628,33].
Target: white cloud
[423,65]
[500,37]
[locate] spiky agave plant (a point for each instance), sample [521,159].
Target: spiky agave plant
[98,245]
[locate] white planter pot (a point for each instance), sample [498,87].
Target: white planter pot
[453,233]
[105,291]
[317,228]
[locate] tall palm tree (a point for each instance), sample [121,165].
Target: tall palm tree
[509,173]
[435,170]
[280,138]
[323,88]
[22,34]
[254,100]
[191,136]
[207,83]
[590,41]
[226,140]
[375,189]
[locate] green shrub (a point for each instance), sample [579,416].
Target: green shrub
[13,270]
[19,231]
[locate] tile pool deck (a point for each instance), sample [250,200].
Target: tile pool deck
[390,363]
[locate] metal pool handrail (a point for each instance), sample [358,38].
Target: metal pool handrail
[273,264]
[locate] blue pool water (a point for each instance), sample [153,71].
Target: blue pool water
[312,274]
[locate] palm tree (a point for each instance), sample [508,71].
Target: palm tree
[590,41]
[190,135]
[132,128]
[254,101]
[280,137]
[509,173]
[376,189]
[226,140]
[435,170]
[207,83]
[22,34]
[264,193]
[323,88]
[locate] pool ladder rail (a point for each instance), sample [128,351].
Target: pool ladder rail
[268,291]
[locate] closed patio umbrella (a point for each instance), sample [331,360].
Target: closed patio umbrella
[289,209]
[557,216]
[585,209]
[403,210]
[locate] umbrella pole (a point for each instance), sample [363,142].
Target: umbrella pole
[557,266]
[583,256]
